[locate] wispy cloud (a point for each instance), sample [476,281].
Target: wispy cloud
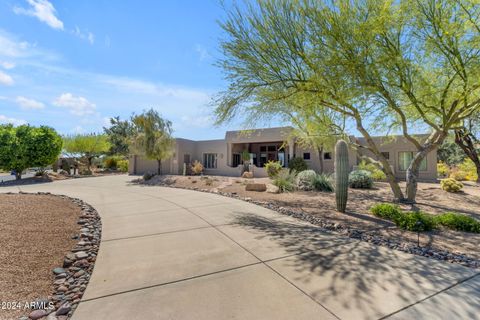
[43,11]
[77,105]
[7,65]
[202,52]
[87,35]
[5,79]
[14,121]
[29,104]
[11,48]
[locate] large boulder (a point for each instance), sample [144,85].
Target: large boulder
[247,175]
[271,188]
[260,187]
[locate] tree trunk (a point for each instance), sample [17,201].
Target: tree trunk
[89,164]
[18,174]
[159,169]
[392,181]
[467,141]
[320,157]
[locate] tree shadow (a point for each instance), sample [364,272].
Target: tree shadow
[352,278]
[26,181]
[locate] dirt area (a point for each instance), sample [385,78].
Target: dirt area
[430,199]
[35,234]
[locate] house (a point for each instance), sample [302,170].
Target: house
[224,156]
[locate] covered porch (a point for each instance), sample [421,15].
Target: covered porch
[260,153]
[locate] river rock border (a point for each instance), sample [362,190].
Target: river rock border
[71,279]
[368,236]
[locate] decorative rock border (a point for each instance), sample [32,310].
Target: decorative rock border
[368,236]
[72,278]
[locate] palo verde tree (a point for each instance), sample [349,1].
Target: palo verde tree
[152,137]
[467,138]
[87,146]
[383,65]
[25,146]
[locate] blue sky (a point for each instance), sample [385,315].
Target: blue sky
[73,64]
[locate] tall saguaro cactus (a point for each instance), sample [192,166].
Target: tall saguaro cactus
[341,175]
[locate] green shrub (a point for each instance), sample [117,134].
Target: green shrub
[386,211]
[285,181]
[415,221]
[376,173]
[456,221]
[273,168]
[297,164]
[451,185]
[305,180]
[442,169]
[360,179]
[148,175]
[110,162]
[323,182]
[122,165]
[469,168]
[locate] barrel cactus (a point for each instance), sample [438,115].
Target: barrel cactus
[341,175]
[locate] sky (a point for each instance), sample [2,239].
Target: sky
[72,65]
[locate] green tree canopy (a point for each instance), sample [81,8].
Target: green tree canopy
[119,133]
[152,137]
[88,146]
[25,146]
[383,65]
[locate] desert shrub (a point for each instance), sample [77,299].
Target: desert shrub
[456,221]
[305,180]
[457,174]
[442,169]
[197,167]
[386,211]
[468,167]
[323,182]
[376,173]
[285,180]
[297,164]
[122,165]
[208,182]
[451,185]
[273,168]
[111,162]
[148,175]
[415,221]
[360,179]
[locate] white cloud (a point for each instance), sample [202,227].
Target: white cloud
[77,105]
[87,35]
[29,104]
[202,52]
[7,65]
[14,121]
[9,47]
[43,11]
[5,79]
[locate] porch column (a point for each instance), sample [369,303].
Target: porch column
[291,146]
[229,154]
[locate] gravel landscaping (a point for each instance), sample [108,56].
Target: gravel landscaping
[49,246]
[319,208]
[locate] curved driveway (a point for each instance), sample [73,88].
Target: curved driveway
[177,254]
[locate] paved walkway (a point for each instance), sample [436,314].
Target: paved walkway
[178,254]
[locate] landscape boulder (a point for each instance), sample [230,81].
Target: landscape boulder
[271,188]
[260,187]
[247,175]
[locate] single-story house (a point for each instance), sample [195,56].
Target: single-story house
[224,156]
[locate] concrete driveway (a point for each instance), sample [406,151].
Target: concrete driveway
[178,254]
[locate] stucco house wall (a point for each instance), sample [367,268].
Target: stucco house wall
[237,141]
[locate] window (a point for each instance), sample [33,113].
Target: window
[210,160]
[272,148]
[386,155]
[236,159]
[306,156]
[404,159]
[327,156]
[263,148]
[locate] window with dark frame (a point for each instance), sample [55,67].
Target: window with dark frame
[210,160]
[306,156]
[327,156]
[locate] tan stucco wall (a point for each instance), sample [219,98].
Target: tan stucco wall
[236,142]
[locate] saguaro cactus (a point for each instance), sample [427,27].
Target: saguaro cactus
[341,175]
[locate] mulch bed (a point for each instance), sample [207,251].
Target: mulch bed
[40,235]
